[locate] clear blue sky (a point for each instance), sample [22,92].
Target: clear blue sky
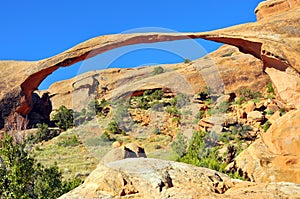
[35,29]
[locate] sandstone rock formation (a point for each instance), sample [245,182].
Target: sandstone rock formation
[152,178]
[275,156]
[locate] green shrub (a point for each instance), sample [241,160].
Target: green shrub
[182,100]
[157,106]
[200,114]
[105,137]
[269,112]
[157,95]
[179,145]
[248,94]
[270,88]
[173,111]
[157,70]
[143,102]
[266,126]
[96,108]
[22,177]
[113,127]
[282,111]
[156,131]
[63,118]
[223,107]
[199,153]
[43,133]
[229,54]
[70,142]
[270,96]
[186,61]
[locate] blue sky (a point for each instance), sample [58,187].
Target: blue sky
[34,29]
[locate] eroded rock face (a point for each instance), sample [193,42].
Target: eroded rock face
[152,178]
[275,156]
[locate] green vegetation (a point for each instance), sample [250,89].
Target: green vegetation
[156,131]
[148,99]
[114,128]
[63,118]
[157,70]
[229,54]
[203,148]
[201,153]
[179,145]
[99,108]
[186,61]
[266,126]
[70,142]
[173,111]
[180,100]
[22,177]
[237,133]
[200,114]
[248,94]
[43,134]
[93,108]
[282,111]
[270,88]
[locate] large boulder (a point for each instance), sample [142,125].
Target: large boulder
[153,178]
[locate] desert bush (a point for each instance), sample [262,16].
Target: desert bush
[173,111]
[157,70]
[248,94]
[186,61]
[266,126]
[114,128]
[22,177]
[270,88]
[200,114]
[43,134]
[105,137]
[70,142]
[179,145]
[202,154]
[63,118]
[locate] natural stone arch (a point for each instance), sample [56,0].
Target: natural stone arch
[266,40]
